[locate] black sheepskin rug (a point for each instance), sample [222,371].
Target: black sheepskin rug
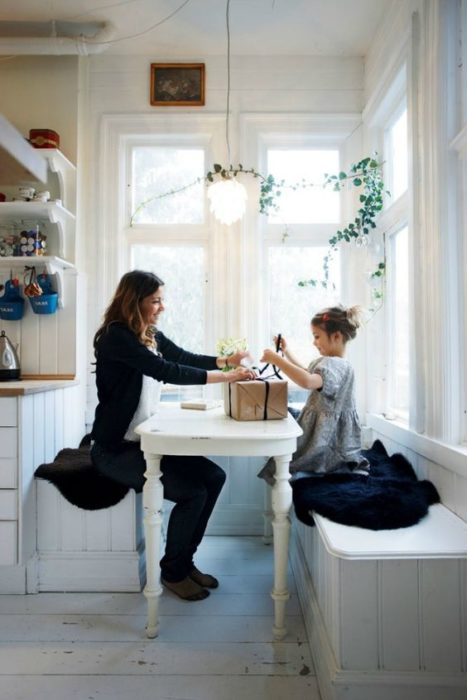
[390,497]
[75,476]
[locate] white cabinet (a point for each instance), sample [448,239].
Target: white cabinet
[8,482]
[34,425]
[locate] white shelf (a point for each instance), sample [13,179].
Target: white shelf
[25,214]
[37,260]
[54,212]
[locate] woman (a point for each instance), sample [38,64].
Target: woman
[130,354]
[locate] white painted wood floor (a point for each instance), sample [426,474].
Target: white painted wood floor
[92,646]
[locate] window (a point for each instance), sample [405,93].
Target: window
[304,205]
[182,269]
[161,169]
[296,242]
[291,307]
[399,336]
[168,236]
[397,155]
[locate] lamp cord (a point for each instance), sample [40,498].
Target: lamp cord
[227,114]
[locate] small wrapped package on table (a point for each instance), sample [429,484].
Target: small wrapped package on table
[258,399]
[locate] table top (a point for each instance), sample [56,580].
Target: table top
[173,430]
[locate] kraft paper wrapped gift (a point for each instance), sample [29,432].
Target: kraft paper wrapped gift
[256,400]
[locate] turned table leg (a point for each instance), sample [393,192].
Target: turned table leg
[153,495]
[281,502]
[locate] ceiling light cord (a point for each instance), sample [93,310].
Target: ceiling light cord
[227,113]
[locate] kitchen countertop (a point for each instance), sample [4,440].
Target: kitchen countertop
[34,386]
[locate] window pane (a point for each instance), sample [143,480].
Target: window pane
[400,324]
[308,205]
[182,269]
[291,307]
[399,156]
[158,170]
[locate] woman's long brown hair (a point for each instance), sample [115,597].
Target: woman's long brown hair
[133,287]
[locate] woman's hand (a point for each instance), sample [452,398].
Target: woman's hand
[240,374]
[234,360]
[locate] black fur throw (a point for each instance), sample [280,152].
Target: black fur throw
[75,476]
[390,497]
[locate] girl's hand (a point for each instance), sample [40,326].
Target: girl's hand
[282,344]
[240,374]
[270,356]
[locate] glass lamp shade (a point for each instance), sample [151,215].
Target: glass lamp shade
[228,200]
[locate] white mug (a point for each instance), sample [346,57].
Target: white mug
[26,193]
[42,196]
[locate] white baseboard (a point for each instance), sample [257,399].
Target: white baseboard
[90,571]
[338,684]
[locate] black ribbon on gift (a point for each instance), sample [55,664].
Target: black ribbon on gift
[275,371]
[266,397]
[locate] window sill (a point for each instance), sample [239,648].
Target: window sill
[452,457]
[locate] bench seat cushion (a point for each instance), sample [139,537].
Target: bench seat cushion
[75,476]
[388,498]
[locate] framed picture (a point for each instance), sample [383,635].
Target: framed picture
[177,84]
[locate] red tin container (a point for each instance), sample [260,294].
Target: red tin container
[44,138]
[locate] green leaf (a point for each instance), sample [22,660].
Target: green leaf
[342,175]
[217,167]
[357,181]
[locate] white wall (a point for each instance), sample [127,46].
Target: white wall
[41,92]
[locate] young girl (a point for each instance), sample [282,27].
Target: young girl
[331,429]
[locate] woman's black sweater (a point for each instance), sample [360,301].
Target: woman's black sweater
[121,362]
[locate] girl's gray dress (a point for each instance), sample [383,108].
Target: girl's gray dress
[330,424]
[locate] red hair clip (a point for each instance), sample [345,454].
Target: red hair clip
[325,317]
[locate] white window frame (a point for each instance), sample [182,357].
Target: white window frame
[388,169]
[112,246]
[258,133]
[379,116]
[393,411]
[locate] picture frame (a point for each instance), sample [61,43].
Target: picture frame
[177,84]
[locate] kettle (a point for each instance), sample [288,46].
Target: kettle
[9,362]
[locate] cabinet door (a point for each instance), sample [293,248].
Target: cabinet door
[8,473]
[8,504]
[8,543]
[8,412]
[8,441]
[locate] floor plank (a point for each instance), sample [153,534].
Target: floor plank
[93,646]
[163,688]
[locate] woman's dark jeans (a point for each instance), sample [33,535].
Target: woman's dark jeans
[192,483]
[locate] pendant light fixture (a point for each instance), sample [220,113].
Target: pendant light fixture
[227,196]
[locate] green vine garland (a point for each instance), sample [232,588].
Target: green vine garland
[367,173]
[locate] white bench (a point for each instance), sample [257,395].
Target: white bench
[386,610]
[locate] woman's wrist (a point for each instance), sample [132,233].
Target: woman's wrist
[223,363]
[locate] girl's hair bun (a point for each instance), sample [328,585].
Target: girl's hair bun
[339,318]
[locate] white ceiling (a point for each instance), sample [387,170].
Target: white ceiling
[198,28]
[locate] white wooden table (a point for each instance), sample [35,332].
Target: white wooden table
[176,431]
